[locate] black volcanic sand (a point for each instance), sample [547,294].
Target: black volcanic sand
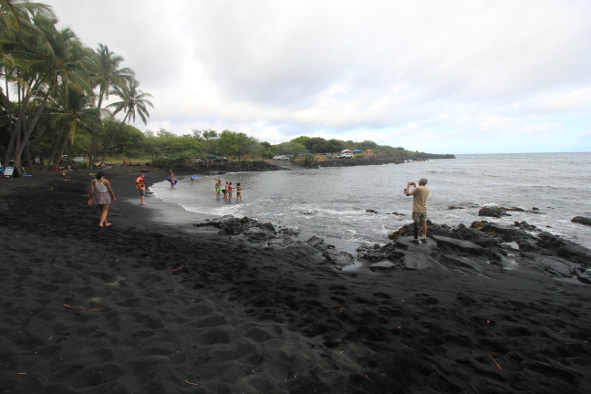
[169,311]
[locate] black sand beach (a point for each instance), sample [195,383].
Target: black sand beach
[140,307]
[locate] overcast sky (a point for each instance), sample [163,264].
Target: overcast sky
[435,76]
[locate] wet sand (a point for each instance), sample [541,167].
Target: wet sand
[152,306]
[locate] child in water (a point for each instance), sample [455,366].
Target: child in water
[238,192]
[230,191]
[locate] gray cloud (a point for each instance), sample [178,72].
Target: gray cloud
[425,75]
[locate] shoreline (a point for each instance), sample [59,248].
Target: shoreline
[198,312]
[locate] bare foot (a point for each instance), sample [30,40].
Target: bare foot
[107,224]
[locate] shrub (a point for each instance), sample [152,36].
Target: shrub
[305,160]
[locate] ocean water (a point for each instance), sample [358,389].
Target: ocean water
[332,202]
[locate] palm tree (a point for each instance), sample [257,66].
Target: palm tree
[15,12]
[133,102]
[15,25]
[74,109]
[105,75]
[57,59]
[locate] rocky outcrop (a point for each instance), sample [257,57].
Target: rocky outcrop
[215,168]
[498,212]
[493,212]
[340,259]
[251,230]
[581,220]
[355,162]
[480,248]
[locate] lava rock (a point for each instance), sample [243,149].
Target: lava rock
[581,220]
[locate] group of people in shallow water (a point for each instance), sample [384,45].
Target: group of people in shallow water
[101,193]
[228,190]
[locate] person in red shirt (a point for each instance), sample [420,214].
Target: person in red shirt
[230,190]
[140,183]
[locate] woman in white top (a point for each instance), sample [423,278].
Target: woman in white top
[100,194]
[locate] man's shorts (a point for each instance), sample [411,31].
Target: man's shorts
[142,192]
[419,217]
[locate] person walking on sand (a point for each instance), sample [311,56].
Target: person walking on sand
[230,191]
[218,188]
[419,207]
[238,192]
[101,194]
[140,183]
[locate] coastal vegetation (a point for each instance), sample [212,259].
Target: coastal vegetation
[59,99]
[53,90]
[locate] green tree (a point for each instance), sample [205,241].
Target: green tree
[105,75]
[367,145]
[334,145]
[56,61]
[133,102]
[303,140]
[294,148]
[73,109]
[317,145]
[247,146]
[237,144]
[131,142]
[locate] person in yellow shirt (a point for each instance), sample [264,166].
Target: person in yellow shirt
[419,207]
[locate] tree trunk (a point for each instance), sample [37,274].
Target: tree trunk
[11,144]
[51,161]
[113,138]
[66,136]
[28,154]
[93,148]
[94,140]
[19,149]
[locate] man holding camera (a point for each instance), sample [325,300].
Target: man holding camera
[419,206]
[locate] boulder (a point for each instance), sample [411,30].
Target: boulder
[464,206]
[396,213]
[382,266]
[315,241]
[329,252]
[554,266]
[341,259]
[581,220]
[494,212]
[375,253]
[452,244]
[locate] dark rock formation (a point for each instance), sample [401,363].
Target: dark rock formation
[497,212]
[481,247]
[581,220]
[464,206]
[493,212]
[250,230]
